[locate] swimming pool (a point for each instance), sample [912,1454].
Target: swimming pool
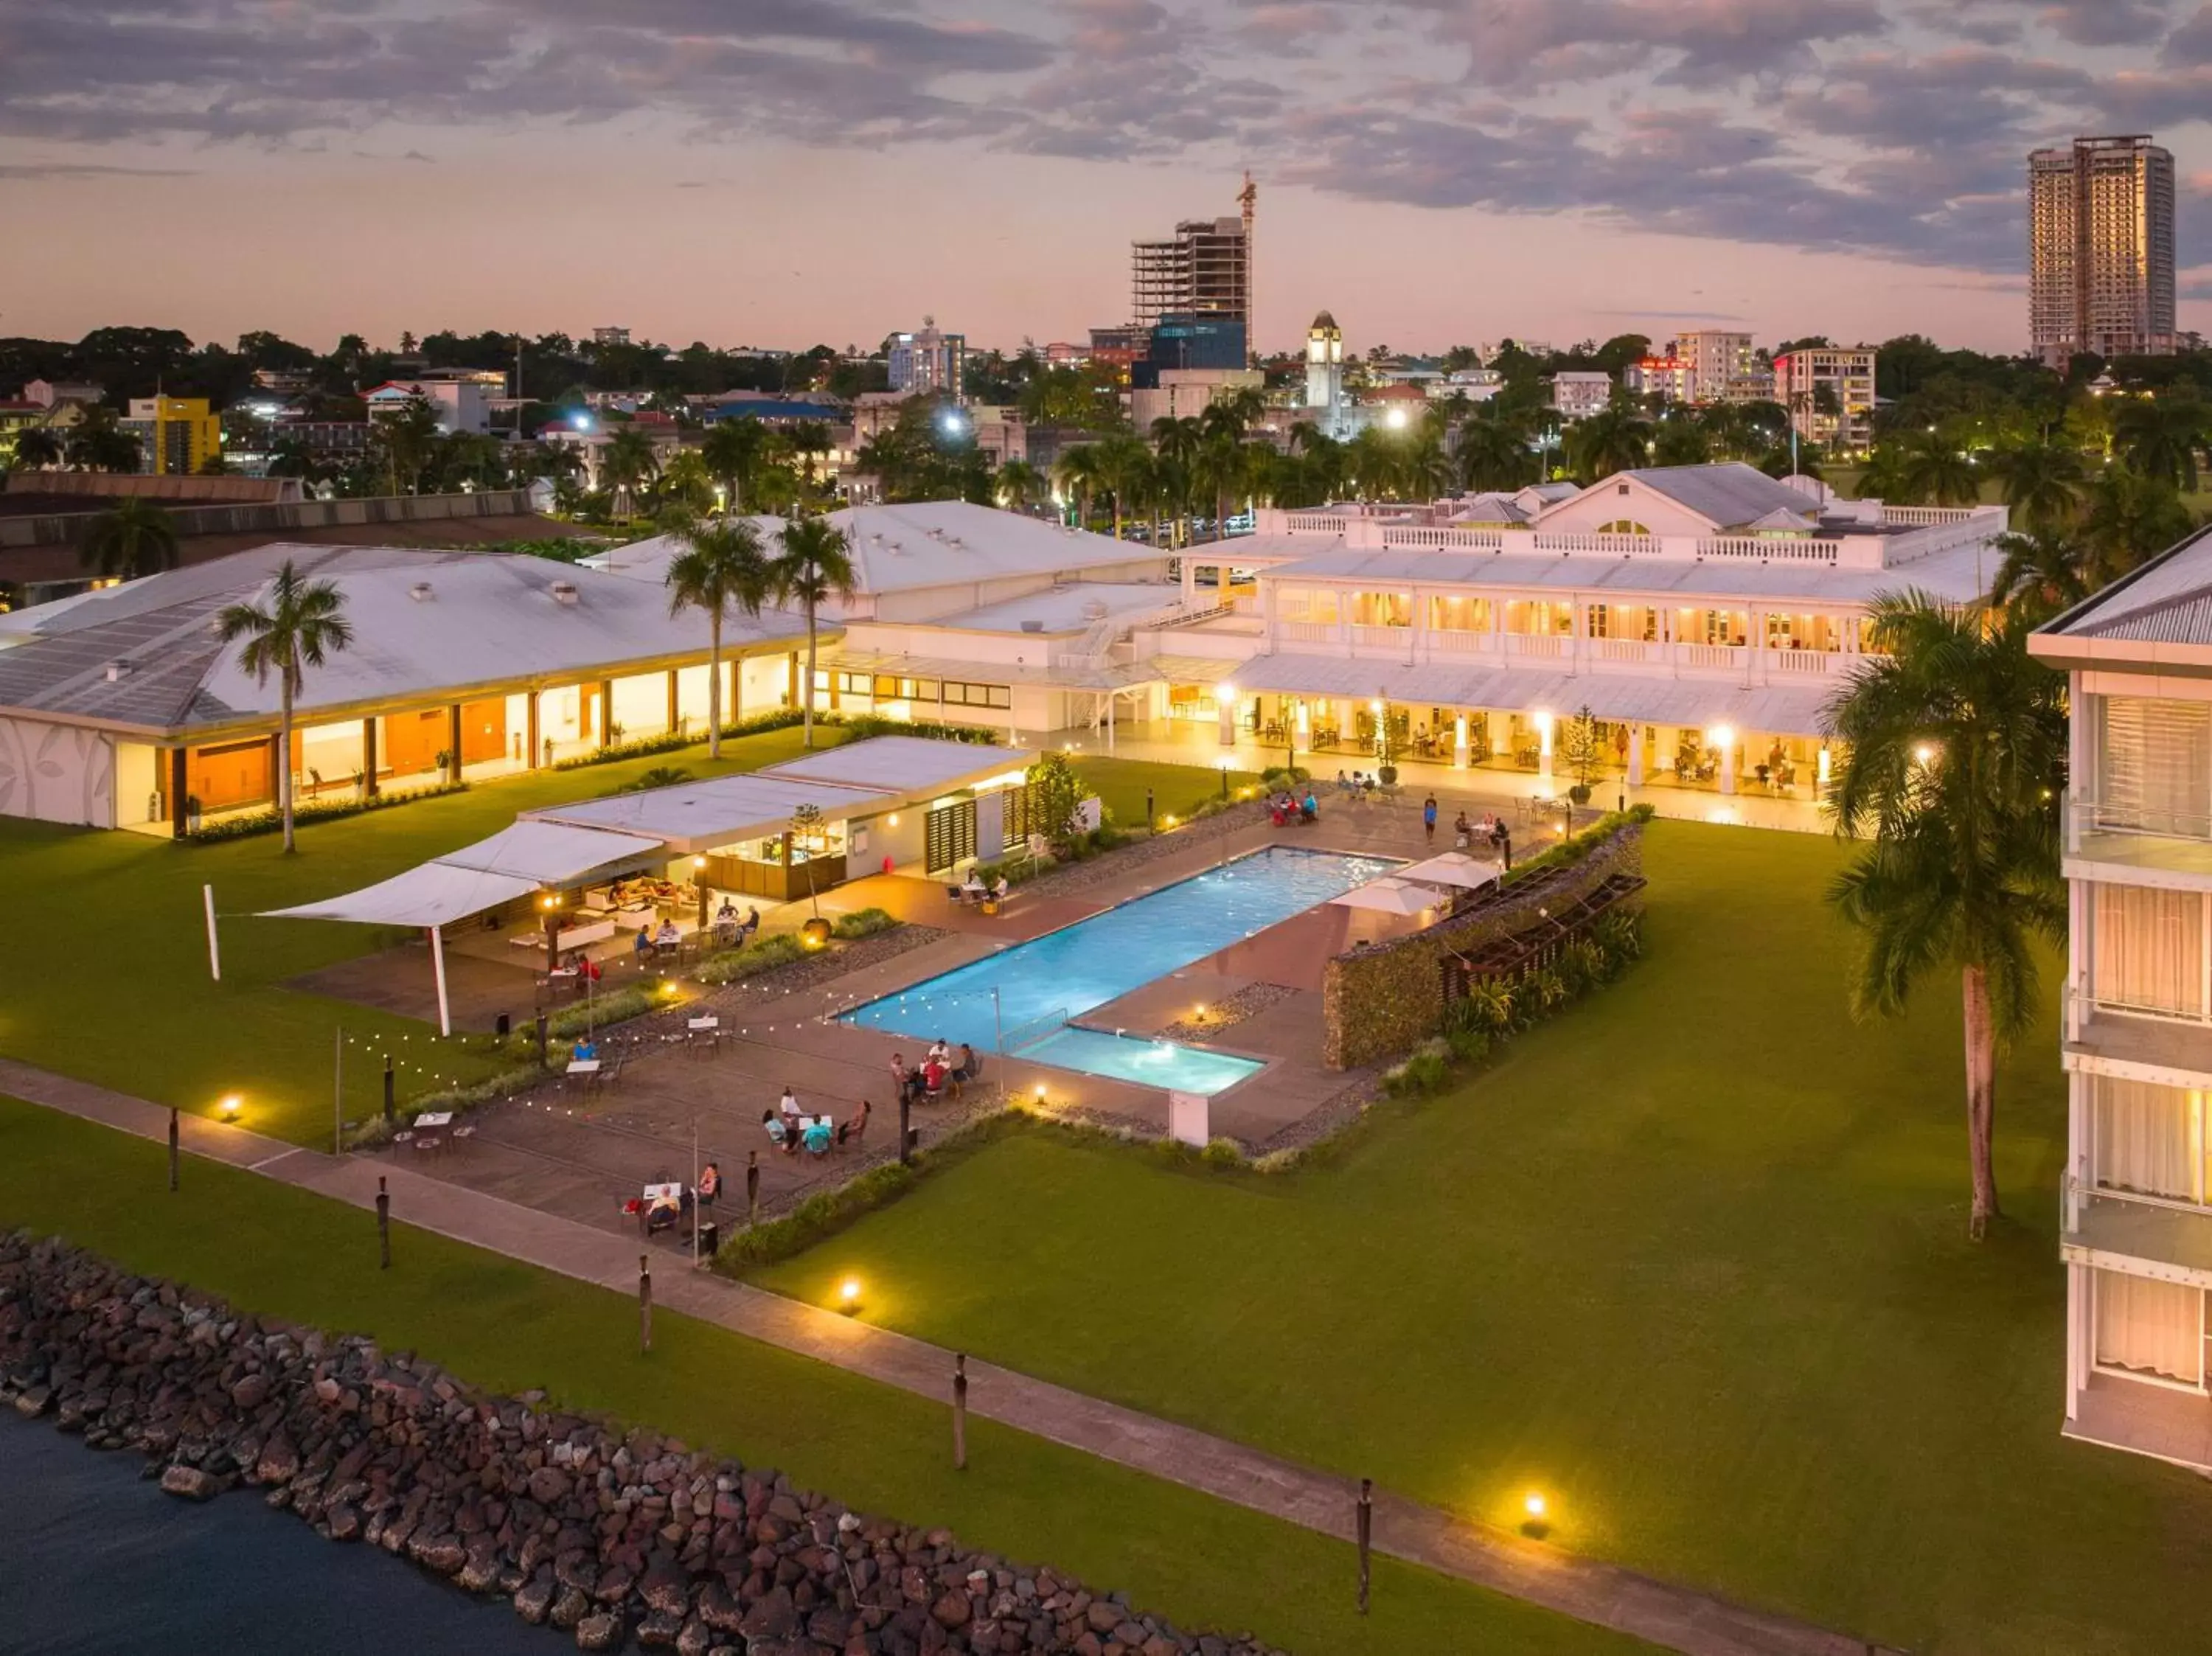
[1021,998]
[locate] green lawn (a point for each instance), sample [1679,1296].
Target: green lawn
[1690,1260]
[283,1253]
[111,980]
[1122,784]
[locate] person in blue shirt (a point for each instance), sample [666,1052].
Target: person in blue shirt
[1429,818]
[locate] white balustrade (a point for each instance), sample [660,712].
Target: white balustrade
[1711,655]
[1536,644]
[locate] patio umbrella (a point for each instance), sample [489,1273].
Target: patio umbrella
[1453,868]
[1390,896]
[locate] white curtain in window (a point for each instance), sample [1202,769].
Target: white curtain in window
[2157,1328]
[2150,949]
[2157,764]
[2149,1139]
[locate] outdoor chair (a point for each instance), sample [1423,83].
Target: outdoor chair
[402,1139]
[461,1136]
[428,1144]
[956,895]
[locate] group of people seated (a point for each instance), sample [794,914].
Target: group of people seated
[1358,785]
[973,889]
[664,1204]
[1488,828]
[1286,808]
[938,1072]
[729,928]
[791,1129]
[665,936]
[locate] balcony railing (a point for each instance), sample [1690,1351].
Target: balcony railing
[1817,664]
[2130,1224]
[2140,836]
[1383,637]
[1537,644]
[1451,641]
[1625,649]
[1712,655]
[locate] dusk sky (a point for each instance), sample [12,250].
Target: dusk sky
[784,172]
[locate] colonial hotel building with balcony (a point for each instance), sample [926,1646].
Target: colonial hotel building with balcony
[1704,614]
[2137,1235]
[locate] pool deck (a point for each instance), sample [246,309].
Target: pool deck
[582,1153]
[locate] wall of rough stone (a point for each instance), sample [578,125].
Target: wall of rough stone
[607,1535]
[1380,1000]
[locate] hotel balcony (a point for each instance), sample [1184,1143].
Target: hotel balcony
[2172,1047]
[2146,1235]
[2133,846]
[2164,1422]
[1735,663]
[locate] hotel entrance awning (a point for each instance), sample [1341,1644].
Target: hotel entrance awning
[513,863]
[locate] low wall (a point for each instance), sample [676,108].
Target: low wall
[1379,1000]
[602,1533]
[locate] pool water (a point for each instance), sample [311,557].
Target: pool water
[1020,999]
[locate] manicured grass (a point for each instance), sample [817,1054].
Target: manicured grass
[1690,1260]
[1121,785]
[283,1253]
[112,985]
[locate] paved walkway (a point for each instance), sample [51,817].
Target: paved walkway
[1674,1617]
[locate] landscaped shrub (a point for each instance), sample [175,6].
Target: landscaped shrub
[1424,1071]
[306,811]
[765,954]
[861,923]
[1222,1153]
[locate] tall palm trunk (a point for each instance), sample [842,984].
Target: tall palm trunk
[808,688]
[284,758]
[1221,517]
[715,685]
[1981,1098]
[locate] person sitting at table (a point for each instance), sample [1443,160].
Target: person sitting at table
[585,1051]
[710,1184]
[1462,831]
[778,1134]
[898,1075]
[816,1138]
[1343,783]
[787,1107]
[999,889]
[642,944]
[752,922]
[933,1074]
[727,913]
[668,937]
[662,1211]
[938,1052]
[854,1126]
[972,886]
[963,1071]
[1309,810]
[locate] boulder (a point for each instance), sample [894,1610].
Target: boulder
[602,1630]
[190,1484]
[569,1608]
[534,1600]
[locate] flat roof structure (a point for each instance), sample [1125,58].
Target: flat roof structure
[697,816]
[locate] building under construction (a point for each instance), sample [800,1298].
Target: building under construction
[1205,270]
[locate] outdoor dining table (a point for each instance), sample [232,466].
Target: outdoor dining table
[705,1033]
[587,1069]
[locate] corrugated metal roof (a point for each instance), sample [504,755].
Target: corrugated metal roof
[1955,574]
[2167,601]
[1729,495]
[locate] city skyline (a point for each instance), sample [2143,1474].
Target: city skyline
[1856,170]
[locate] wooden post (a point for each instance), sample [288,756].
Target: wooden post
[369,757]
[644,1302]
[960,1411]
[452,742]
[389,1113]
[383,1224]
[338,1092]
[541,1040]
[180,788]
[1366,1516]
[752,1188]
[172,1149]
[214,946]
[906,1139]
[606,712]
[674,701]
[529,726]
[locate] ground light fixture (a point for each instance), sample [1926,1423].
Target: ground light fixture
[848,1295]
[1536,1515]
[230,1104]
[1224,762]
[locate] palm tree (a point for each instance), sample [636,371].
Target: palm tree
[132,537]
[96,443]
[2043,574]
[816,565]
[1077,472]
[38,448]
[1222,469]
[1930,469]
[1124,470]
[1682,442]
[685,482]
[1493,457]
[1615,439]
[1955,748]
[1020,486]
[720,568]
[301,625]
[2129,520]
[735,452]
[2160,437]
[2043,482]
[626,465]
[1176,440]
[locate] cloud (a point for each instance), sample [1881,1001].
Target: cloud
[40,169]
[1693,43]
[2107,22]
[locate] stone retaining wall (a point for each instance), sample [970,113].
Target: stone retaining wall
[1379,1000]
[605,1535]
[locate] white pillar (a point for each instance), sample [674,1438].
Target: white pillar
[1636,755]
[1544,749]
[1459,742]
[1113,698]
[438,968]
[1823,770]
[1225,705]
[1728,764]
[1302,724]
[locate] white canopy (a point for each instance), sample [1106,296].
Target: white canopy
[1390,895]
[513,863]
[1453,868]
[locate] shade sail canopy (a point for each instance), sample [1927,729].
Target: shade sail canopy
[1390,895]
[1453,869]
[513,863]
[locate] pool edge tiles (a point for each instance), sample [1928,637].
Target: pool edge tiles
[1048,983]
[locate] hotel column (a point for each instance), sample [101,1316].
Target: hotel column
[1544,727]
[1417,640]
[1459,742]
[452,742]
[530,701]
[733,705]
[606,712]
[1728,763]
[1344,622]
[675,709]
[1636,754]
[1189,579]
[369,757]
[180,788]
[280,766]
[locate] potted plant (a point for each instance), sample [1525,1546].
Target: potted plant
[807,824]
[1582,748]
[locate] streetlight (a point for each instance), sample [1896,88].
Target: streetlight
[230,1105]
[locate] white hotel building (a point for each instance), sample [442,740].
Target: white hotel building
[2137,1235]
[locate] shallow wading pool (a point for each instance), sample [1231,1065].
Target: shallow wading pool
[1021,999]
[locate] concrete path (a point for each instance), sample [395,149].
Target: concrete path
[1674,1617]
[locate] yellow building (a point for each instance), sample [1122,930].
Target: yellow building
[180,434]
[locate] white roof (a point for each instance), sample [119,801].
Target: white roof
[2167,601]
[720,811]
[1453,868]
[1064,608]
[1956,574]
[928,543]
[909,764]
[516,861]
[1690,702]
[1728,496]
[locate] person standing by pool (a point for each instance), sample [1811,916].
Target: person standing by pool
[1429,818]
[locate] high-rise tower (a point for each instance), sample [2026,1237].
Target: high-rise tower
[2101,249]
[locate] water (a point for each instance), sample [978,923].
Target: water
[96,1560]
[1026,992]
